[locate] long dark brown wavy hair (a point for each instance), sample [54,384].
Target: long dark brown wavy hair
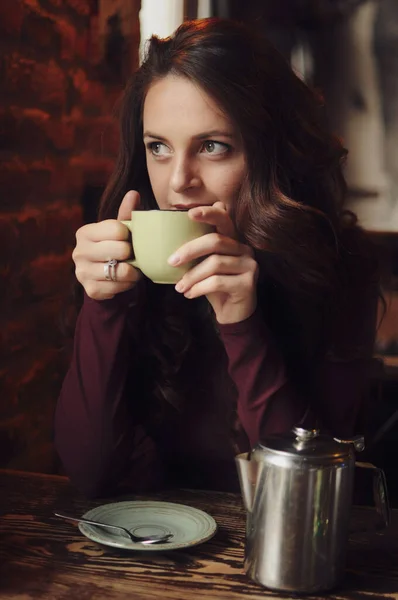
[315,262]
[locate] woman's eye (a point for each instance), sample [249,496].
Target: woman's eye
[211,147]
[158,149]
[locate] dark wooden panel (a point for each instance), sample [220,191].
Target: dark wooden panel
[190,9]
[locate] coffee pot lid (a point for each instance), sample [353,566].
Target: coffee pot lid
[311,444]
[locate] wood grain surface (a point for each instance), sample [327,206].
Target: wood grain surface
[45,558]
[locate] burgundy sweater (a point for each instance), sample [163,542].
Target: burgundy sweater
[104,444]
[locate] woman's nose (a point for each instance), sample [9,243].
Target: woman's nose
[183,176]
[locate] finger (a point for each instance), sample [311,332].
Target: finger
[211,243]
[99,290]
[104,230]
[124,273]
[226,284]
[129,203]
[88,273]
[215,264]
[105,250]
[216,215]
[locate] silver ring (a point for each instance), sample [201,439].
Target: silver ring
[110,269]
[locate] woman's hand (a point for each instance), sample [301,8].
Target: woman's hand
[97,243]
[228,275]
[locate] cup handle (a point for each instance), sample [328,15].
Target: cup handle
[130,261]
[380,495]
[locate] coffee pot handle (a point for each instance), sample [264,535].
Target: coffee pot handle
[380,495]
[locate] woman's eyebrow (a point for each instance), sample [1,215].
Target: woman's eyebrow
[214,133]
[206,135]
[153,135]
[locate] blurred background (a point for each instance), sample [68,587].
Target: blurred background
[63,66]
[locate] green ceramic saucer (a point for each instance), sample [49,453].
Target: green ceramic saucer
[189,526]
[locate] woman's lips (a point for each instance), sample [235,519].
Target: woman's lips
[186,206]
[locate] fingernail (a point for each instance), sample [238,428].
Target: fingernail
[174,259]
[180,287]
[196,212]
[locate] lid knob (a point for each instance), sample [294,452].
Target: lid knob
[303,435]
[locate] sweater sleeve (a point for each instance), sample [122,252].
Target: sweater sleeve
[94,432]
[266,401]
[268,404]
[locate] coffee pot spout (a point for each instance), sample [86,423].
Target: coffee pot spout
[248,473]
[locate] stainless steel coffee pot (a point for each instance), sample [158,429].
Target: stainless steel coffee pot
[297,489]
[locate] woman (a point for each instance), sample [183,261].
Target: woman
[276,322]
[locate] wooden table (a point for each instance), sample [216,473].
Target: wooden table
[45,558]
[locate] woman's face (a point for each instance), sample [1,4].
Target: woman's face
[194,152]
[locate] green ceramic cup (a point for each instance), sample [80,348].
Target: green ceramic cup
[156,235]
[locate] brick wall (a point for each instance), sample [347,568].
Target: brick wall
[56,137]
